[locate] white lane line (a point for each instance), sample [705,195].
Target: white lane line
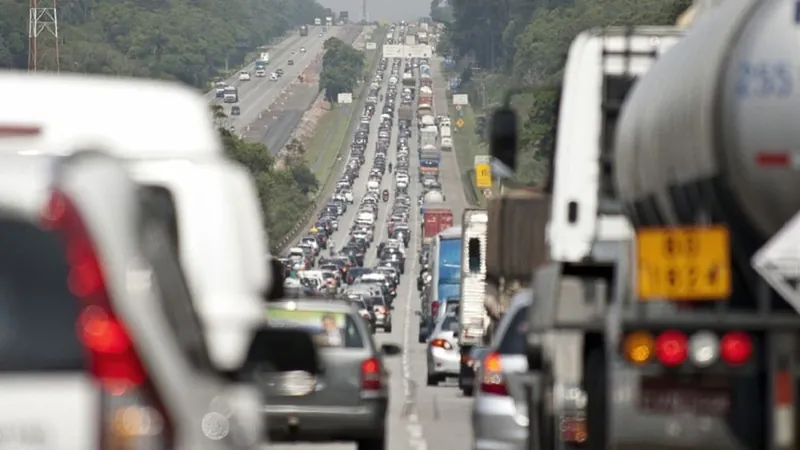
[416,438]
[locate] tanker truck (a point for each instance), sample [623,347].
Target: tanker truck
[688,330]
[705,168]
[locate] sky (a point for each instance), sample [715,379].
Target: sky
[391,10]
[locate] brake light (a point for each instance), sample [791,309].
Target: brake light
[371,376]
[135,409]
[672,348]
[493,381]
[434,309]
[441,343]
[736,348]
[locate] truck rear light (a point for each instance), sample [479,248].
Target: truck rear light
[493,381]
[441,343]
[134,414]
[371,375]
[672,348]
[736,348]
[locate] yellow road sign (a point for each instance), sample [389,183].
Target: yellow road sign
[460,123]
[483,175]
[683,263]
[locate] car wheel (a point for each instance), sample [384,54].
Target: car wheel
[433,380]
[421,339]
[372,444]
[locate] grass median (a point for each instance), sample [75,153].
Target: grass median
[467,145]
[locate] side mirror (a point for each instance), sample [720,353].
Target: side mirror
[391,349]
[283,350]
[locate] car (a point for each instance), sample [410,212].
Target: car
[244,76]
[443,355]
[290,62]
[236,110]
[279,72]
[273,76]
[331,406]
[302,49]
[320,35]
[87,200]
[193,173]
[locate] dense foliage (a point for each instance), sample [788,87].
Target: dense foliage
[186,40]
[342,67]
[525,42]
[285,192]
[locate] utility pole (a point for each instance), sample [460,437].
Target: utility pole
[364,11]
[43,40]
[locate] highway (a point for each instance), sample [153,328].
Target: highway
[259,94]
[420,416]
[279,119]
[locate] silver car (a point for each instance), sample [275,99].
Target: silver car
[499,412]
[349,400]
[443,352]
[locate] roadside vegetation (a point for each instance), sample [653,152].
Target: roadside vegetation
[525,44]
[342,68]
[187,40]
[286,190]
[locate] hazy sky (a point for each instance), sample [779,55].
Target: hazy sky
[391,10]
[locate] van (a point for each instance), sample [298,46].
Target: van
[202,194]
[447,144]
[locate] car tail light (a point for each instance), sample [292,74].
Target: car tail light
[137,413]
[441,343]
[736,348]
[493,381]
[434,309]
[672,348]
[371,375]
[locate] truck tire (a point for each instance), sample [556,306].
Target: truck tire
[372,444]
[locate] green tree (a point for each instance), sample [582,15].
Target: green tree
[342,67]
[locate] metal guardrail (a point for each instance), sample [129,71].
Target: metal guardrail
[303,223]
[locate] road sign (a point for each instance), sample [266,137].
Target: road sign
[683,263]
[483,169]
[344,97]
[372,45]
[460,123]
[458,107]
[392,51]
[460,99]
[778,262]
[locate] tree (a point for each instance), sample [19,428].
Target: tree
[185,40]
[342,67]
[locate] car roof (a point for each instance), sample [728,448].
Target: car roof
[81,118]
[314,305]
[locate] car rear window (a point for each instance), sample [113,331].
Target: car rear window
[513,341]
[331,329]
[38,314]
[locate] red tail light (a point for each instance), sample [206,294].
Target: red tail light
[441,343]
[493,381]
[434,308]
[672,348]
[112,356]
[371,376]
[736,348]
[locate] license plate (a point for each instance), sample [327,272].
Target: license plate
[707,402]
[289,384]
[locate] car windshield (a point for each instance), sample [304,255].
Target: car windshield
[450,323]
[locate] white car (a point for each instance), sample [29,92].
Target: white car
[302,49]
[273,76]
[244,76]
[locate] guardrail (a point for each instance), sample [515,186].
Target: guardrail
[280,245]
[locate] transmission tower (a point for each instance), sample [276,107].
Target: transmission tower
[43,51]
[364,11]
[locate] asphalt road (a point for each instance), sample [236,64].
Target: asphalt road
[258,94]
[278,120]
[420,416]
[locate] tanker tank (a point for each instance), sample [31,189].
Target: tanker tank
[432,197]
[708,135]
